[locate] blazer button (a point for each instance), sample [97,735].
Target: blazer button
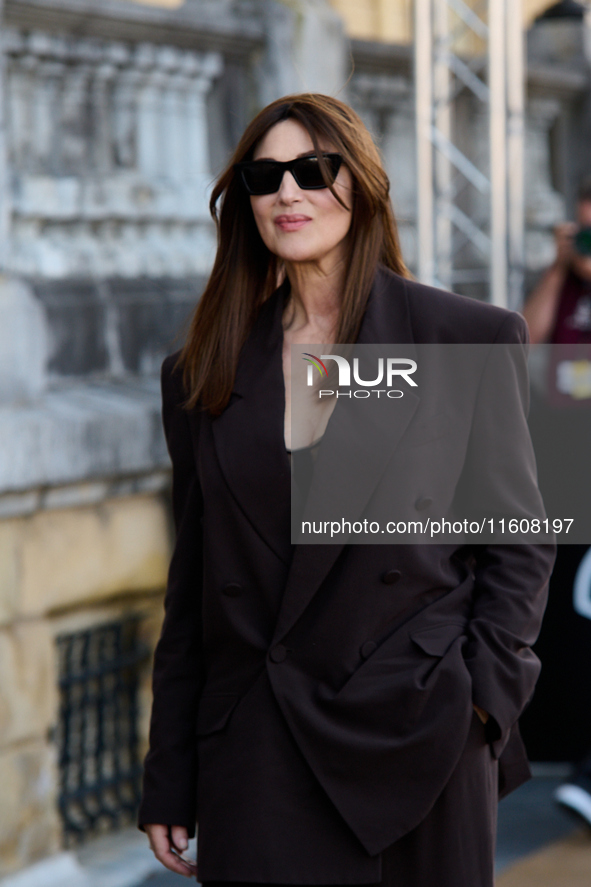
[391,576]
[232,589]
[367,648]
[423,503]
[278,653]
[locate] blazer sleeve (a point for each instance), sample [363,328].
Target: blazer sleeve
[511,581]
[170,767]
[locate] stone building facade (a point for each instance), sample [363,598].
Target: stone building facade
[115,117]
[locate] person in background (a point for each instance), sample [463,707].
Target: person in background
[559,308]
[559,311]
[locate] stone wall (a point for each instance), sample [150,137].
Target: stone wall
[113,116]
[117,118]
[63,569]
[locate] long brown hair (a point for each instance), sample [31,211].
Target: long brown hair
[245,272]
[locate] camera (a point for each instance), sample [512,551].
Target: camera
[582,242]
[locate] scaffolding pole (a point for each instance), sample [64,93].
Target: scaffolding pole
[474,50]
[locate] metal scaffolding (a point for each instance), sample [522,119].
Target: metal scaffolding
[470,201]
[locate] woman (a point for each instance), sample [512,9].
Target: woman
[329,714]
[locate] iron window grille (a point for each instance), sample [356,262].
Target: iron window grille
[97,736]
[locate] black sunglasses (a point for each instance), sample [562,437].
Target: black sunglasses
[265,176]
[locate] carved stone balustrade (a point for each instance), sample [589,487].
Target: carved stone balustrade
[108,153]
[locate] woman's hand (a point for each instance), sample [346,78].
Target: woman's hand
[167,844]
[482,714]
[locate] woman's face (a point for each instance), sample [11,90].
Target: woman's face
[296,224]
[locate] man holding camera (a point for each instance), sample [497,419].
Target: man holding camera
[559,308]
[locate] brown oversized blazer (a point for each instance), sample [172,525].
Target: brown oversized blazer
[311,701]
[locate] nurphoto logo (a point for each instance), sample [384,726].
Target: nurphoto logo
[395,367]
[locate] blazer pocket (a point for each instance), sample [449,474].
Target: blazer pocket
[214,711]
[437,639]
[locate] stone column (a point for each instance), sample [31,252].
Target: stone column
[176,142]
[204,70]
[148,113]
[167,61]
[20,72]
[125,94]
[46,125]
[74,137]
[102,136]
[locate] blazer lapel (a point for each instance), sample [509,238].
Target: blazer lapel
[386,320]
[249,434]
